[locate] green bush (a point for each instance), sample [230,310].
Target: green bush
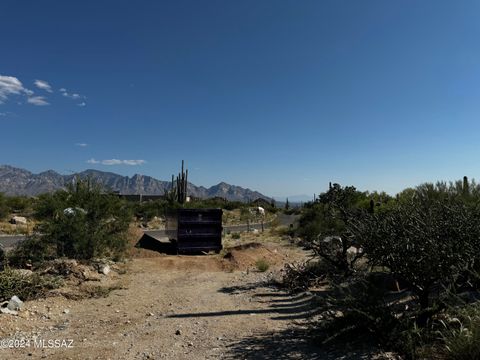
[147,210]
[81,222]
[430,242]
[262,265]
[22,204]
[235,236]
[460,333]
[2,258]
[26,287]
[3,207]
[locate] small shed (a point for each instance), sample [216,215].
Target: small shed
[195,230]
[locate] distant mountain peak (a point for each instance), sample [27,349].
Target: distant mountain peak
[16,181]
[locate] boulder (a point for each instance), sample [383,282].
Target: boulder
[15,304]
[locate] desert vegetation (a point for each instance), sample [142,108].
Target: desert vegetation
[397,272]
[402,271]
[80,222]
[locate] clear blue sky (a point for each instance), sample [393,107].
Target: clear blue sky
[279,96]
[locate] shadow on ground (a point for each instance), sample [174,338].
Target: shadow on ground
[279,345]
[150,243]
[295,343]
[281,306]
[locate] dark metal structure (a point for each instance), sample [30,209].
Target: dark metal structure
[195,230]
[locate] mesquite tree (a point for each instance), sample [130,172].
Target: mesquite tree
[325,226]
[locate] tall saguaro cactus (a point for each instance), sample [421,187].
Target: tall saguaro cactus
[465,187]
[178,189]
[182,181]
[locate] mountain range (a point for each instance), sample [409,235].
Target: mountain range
[16,181]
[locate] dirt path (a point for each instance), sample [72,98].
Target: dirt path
[175,307]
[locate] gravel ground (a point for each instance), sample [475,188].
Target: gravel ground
[173,307]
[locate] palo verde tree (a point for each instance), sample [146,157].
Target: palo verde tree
[81,222]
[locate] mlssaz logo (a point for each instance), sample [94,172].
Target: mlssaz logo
[53,343]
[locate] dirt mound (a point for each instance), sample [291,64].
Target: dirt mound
[144,253]
[240,257]
[245,256]
[252,245]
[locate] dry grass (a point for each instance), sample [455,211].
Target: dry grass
[12,229]
[233,217]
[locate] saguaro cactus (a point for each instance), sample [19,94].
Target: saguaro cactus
[465,189]
[178,188]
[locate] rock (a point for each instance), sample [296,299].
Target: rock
[8,311]
[91,275]
[15,304]
[74,211]
[66,311]
[104,269]
[178,332]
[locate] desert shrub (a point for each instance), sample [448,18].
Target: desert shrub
[299,277]
[357,309]
[236,236]
[147,210]
[325,227]
[3,207]
[452,335]
[81,222]
[26,287]
[429,242]
[2,258]
[362,310]
[245,214]
[22,204]
[47,205]
[461,334]
[262,265]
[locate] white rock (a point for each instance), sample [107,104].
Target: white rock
[105,269]
[15,303]
[8,311]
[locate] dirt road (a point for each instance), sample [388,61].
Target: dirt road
[174,307]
